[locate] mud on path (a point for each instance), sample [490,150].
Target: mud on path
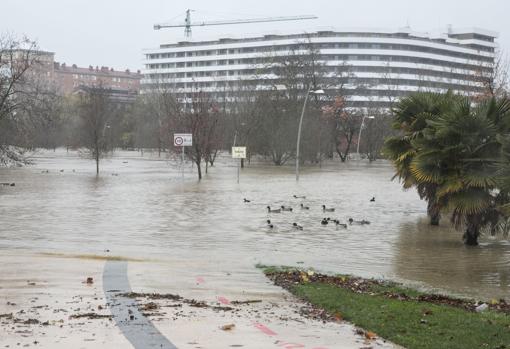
[203,309]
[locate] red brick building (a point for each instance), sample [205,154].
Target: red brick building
[68,79]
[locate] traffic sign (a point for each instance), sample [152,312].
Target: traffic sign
[238,152]
[183,139]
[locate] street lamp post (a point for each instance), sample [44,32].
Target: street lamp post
[106,126]
[317,92]
[359,135]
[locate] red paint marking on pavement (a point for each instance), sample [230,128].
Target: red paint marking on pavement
[290,345]
[264,329]
[223,300]
[200,280]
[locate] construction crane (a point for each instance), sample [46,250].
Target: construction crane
[187,22]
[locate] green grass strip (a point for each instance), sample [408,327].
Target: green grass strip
[414,325]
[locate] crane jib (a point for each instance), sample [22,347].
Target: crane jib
[188,24]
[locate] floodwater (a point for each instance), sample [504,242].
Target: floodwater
[142,208]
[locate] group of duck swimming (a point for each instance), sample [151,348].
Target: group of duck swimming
[324,221]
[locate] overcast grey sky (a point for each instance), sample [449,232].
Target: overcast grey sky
[114,32]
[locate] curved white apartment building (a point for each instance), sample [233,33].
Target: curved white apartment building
[382,65]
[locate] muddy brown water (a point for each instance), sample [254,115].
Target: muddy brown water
[140,207]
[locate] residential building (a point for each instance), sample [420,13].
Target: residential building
[379,66]
[70,78]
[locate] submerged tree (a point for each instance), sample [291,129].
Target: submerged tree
[17,57]
[410,118]
[95,108]
[450,151]
[459,154]
[200,118]
[345,126]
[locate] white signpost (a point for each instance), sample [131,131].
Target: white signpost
[183,140]
[238,153]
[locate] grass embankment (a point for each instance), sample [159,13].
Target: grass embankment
[404,316]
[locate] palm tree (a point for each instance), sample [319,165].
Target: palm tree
[410,118]
[504,178]
[459,154]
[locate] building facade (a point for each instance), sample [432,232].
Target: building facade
[69,79]
[124,85]
[377,66]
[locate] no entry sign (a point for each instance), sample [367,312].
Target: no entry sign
[183,139]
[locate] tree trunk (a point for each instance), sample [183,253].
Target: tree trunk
[472,232]
[212,158]
[433,213]
[435,218]
[199,169]
[242,163]
[97,157]
[470,237]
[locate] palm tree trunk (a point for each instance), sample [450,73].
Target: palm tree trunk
[472,232]
[433,212]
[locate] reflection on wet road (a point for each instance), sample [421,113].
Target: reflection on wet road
[147,211]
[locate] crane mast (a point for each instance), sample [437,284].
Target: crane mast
[188,24]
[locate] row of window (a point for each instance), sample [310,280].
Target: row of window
[362,84]
[321,46]
[326,58]
[339,71]
[85,77]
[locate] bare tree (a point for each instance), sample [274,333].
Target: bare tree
[375,132]
[41,114]
[285,81]
[346,125]
[494,77]
[200,119]
[17,56]
[95,108]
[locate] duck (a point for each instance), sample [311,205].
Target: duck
[288,209]
[299,197]
[324,221]
[269,224]
[362,222]
[246,200]
[297,226]
[338,224]
[273,211]
[303,207]
[325,209]
[372,199]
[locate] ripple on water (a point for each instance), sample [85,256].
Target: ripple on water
[147,211]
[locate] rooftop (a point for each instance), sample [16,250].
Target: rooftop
[448,36]
[74,69]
